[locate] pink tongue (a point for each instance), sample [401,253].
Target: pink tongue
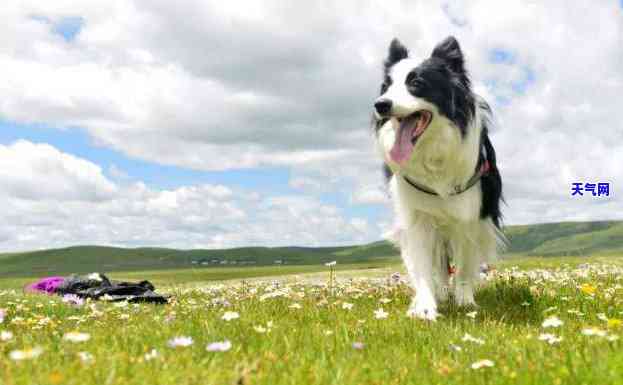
[402,149]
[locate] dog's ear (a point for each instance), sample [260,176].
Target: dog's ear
[450,52]
[396,53]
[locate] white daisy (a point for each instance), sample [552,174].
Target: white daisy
[180,341]
[552,322]
[76,337]
[482,364]
[219,346]
[230,315]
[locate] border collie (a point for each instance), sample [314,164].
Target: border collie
[432,132]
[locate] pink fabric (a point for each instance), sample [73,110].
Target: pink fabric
[45,285]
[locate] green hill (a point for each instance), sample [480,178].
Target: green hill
[550,239]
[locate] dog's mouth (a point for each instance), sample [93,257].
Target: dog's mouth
[409,129]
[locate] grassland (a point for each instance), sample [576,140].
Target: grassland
[307,329]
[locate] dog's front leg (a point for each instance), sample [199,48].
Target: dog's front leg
[467,271]
[417,253]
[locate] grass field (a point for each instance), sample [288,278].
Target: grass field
[301,329]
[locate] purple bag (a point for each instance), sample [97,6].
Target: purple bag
[46,285]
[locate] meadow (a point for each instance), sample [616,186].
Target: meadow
[540,321]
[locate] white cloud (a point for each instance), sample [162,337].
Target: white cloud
[53,199]
[215,86]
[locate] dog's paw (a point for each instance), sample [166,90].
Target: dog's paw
[464,296]
[424,312]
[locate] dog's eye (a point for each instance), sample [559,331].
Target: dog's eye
[384,88]
[413,80]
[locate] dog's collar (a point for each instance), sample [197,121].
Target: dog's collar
[482,170]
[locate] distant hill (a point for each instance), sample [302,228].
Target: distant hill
[551,239]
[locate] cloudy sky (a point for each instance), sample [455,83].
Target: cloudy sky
[220,124]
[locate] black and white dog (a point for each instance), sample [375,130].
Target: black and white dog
[431,130]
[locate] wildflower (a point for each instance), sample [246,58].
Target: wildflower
[85,357]
[27,354]
[576,312]
[76,337]
[347,306]
[153,353]
[2,315]
[588,289]
[380,313]
[358,345]
[552,322]
[594,332]
[385,300]
[219,346]
[332,263]
[482,363]
[525,303]
[550,338]
[456,348]
[73,299]
[295,305]
[614,323]
[5,336]
[472,314]
[260,329]
[230,315]
[180,341]
[469,338]
[602,317]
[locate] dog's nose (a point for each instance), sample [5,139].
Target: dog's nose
[383,106]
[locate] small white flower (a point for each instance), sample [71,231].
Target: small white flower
[594,332]
[552,322]
[230,315]
[380,313]
[332,263]
[27,354]
[482,363]
[358,345]
[260,329]
[471,314]
[550,338]
[73,299]
[219,346]
[602,316]
[328,332]
[347,305]
[2,315]
[525,303]
[456,348]
[180,341]
[76,337]
[295,305]
[152,354]
[5,336]
[469,338]
[86,357]
[612,338]
[385,300]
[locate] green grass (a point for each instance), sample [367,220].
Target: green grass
[314,344]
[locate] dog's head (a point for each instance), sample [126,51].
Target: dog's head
[417,97]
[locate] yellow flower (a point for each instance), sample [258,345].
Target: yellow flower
[588,289]
[614,323]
